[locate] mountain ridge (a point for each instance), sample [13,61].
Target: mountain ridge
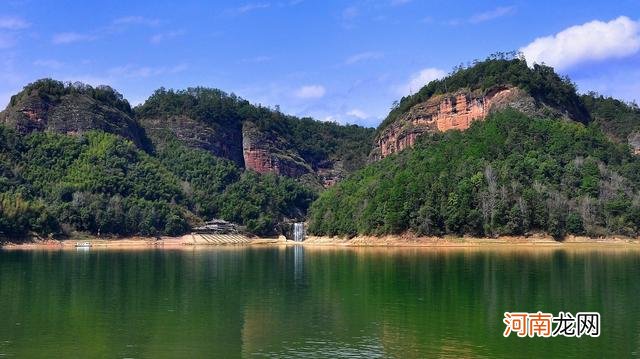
[78,158]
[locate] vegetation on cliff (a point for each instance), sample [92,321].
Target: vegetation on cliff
[540,81]
[319,144]
[73,108]
[618,119]
[508,175]
[52,91]
[66,163]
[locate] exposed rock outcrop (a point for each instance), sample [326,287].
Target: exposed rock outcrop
[262,153]
[634,142]
[222,141]
[453,111]
[72,114]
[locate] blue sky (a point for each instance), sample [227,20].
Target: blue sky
[344,61]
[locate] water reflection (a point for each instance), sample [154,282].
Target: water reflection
[298,262]
[303,301]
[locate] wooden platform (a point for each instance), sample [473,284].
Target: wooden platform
[218,239]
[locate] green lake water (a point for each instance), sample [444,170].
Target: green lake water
[311,302]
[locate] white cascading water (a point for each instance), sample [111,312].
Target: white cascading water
[298,232]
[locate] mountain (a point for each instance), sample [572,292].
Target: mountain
[534,156]
[498,148]
[72,108]
[74,158]
[619,120]
[255,137]
[510,174]
[473,93]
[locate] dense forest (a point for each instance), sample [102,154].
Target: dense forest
[99,183]
[77,158]
[618,119]
[508,175]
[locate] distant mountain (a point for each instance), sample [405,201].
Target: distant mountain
[255,137]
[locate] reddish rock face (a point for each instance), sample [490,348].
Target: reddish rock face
[71,114]
[262,155]
[258,160]
[439,113]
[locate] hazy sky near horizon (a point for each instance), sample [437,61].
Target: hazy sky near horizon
[344,61]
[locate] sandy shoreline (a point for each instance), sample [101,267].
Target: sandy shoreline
[188,241]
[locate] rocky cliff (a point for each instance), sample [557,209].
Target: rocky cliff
[264,153]
[72,109]
[470,94]
[451,111]
[255,137]
[634,142]
[221,141]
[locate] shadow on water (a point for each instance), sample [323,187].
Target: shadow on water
[298,301]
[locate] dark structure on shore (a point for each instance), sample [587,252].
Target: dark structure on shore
[218,226]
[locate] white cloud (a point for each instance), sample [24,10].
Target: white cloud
[132,71]
[399,2]
[13,23]
[310,91]
[357,113]
[52,64]
[158,38]
[70,37]
[492,14]
[363,56]
[419,79]
[592,41]
[257,59]
[7,41]
[250,7]
[136,20]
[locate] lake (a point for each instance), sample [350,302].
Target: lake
[298,301]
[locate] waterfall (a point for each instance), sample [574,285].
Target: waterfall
[298,232]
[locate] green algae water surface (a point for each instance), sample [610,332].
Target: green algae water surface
[311,302]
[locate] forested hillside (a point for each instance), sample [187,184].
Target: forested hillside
[255,137]
[54,184]
[74,158]
[619,120]
[508,175]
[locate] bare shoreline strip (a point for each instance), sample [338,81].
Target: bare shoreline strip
[402,241]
